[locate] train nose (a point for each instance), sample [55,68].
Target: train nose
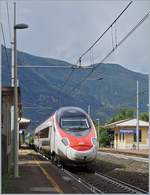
[81,147]
[85,157]
[81,156]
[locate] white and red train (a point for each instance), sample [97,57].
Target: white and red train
[69,135]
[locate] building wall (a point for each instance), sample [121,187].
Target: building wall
[128,142]
[7,102]
[6,133]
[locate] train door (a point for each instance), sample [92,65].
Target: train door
[52,140]
[50,134]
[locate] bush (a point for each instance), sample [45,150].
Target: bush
[105,137]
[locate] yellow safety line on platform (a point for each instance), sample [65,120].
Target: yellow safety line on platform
[57,188]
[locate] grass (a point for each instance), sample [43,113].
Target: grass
[6,181]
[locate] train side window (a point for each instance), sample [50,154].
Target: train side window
[50,131]
[44,133]
[54,128]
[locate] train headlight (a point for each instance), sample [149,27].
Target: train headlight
[65,141]
[94,141]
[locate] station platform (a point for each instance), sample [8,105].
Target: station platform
[38,175]
[140,153]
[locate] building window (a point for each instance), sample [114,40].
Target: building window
[120,136]
[116,136]
[123,137]
[140,136]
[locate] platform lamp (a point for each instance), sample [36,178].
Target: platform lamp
[16,125]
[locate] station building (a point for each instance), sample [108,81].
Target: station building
[7,103]
[125,134]
[23,125]
[7,126]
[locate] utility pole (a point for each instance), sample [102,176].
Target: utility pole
[89,110]
[149,107]
[98,129]
[12,84]
[16,133]
[15,83]
[0,84]
[12,56]
[137,117]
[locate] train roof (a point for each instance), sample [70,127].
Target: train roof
[62,112]
[70,110]
[43,125]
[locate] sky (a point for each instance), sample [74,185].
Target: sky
[65,29]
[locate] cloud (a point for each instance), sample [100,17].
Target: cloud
[26,11]
[65,29]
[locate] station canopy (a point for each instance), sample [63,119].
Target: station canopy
[24,123]
[127,123]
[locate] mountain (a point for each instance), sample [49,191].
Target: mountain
[42,88]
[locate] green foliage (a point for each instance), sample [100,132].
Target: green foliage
[31,140]
[144,116]
[105,138]
[124,113]
[7,181]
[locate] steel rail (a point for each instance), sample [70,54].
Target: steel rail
[83,182]
[125,187]
[122,184]
[87,185]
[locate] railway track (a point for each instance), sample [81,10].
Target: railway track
[98,182]
[125,187]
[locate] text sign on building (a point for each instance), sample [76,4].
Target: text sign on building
[128,131]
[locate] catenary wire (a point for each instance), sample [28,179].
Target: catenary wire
[79,85]
[79,60]
[5,48]
[104,32]
[8,17]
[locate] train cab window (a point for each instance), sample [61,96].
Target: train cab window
[74,123]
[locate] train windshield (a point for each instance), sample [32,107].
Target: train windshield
[74,123]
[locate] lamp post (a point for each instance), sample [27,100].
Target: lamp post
[16,125]
[98,124]
[89,110]
[137,117]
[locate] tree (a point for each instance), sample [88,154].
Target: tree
[144,116]
[124,113]
[105,137]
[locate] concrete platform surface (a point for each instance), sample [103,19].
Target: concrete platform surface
[140,153]
[38,175]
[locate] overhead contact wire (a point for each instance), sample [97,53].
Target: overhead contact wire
[122,40]
[5,48]
[105,31]
[8,17]
[79,60]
